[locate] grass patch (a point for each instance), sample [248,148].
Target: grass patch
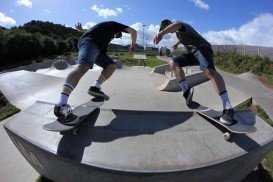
[244,105]
[264,115]
[267,173]
[128,59]
[248,104]
[6,109]
[268,162]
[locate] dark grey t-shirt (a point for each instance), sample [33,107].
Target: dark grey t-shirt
[190,38]
[102,33]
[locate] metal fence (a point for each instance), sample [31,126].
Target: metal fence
[245,50]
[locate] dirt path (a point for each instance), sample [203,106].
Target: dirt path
[263,80]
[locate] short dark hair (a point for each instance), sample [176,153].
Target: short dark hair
[164,24]
[118,35]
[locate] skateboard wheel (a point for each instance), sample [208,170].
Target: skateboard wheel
[75,131]
[227,136]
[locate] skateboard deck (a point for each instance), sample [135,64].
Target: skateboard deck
[239,127]
[81,112]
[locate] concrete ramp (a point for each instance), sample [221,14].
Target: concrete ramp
[162,69]
[52,71]
[60,65]
[23,88]
[193,75]
[249,77]
[172,85]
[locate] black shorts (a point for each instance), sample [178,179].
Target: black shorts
[203,57]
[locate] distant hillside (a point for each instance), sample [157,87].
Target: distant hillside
[55,31]
[19,45]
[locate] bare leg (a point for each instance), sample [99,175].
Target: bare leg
[75,75]
[217,80]
[108,71]
[220,87]
[180,76]
[61,109]
[95,89]
[177,70]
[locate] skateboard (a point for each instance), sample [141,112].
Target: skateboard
[80,113]
[239,127]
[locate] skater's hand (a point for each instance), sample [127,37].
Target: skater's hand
[132,48]
[158,38]
[79,27]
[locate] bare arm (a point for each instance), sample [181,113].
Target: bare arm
[169,29]
[133,33]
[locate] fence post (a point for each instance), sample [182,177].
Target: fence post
[259,50]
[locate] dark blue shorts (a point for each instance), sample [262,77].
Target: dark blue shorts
[203,57]
[89,53]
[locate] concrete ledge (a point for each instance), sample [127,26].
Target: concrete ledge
[123,145]
[162,69]
[172,85]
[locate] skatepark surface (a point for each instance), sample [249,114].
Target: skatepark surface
[140,130]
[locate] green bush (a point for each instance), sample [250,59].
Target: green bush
[20,45]
[238,63]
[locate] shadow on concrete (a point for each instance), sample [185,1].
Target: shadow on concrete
[242,140]
[133,123]
[115,124]
[72,146]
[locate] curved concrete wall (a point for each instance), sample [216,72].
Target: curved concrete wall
[59,168]
[124,145]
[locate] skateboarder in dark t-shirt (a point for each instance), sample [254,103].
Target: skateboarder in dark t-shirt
[199,53]
[92,50]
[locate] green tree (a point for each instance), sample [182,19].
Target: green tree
[49,46]
[1,40]
[20,45]
[63,47]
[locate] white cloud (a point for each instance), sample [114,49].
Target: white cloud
[26,3]
[149,32]
[119,10]
[200,4]
[257,32]
[106,12]
[88,25]
[6,21]
[47,11]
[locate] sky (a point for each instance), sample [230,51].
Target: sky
[219,21]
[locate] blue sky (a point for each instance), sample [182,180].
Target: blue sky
[219,21]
